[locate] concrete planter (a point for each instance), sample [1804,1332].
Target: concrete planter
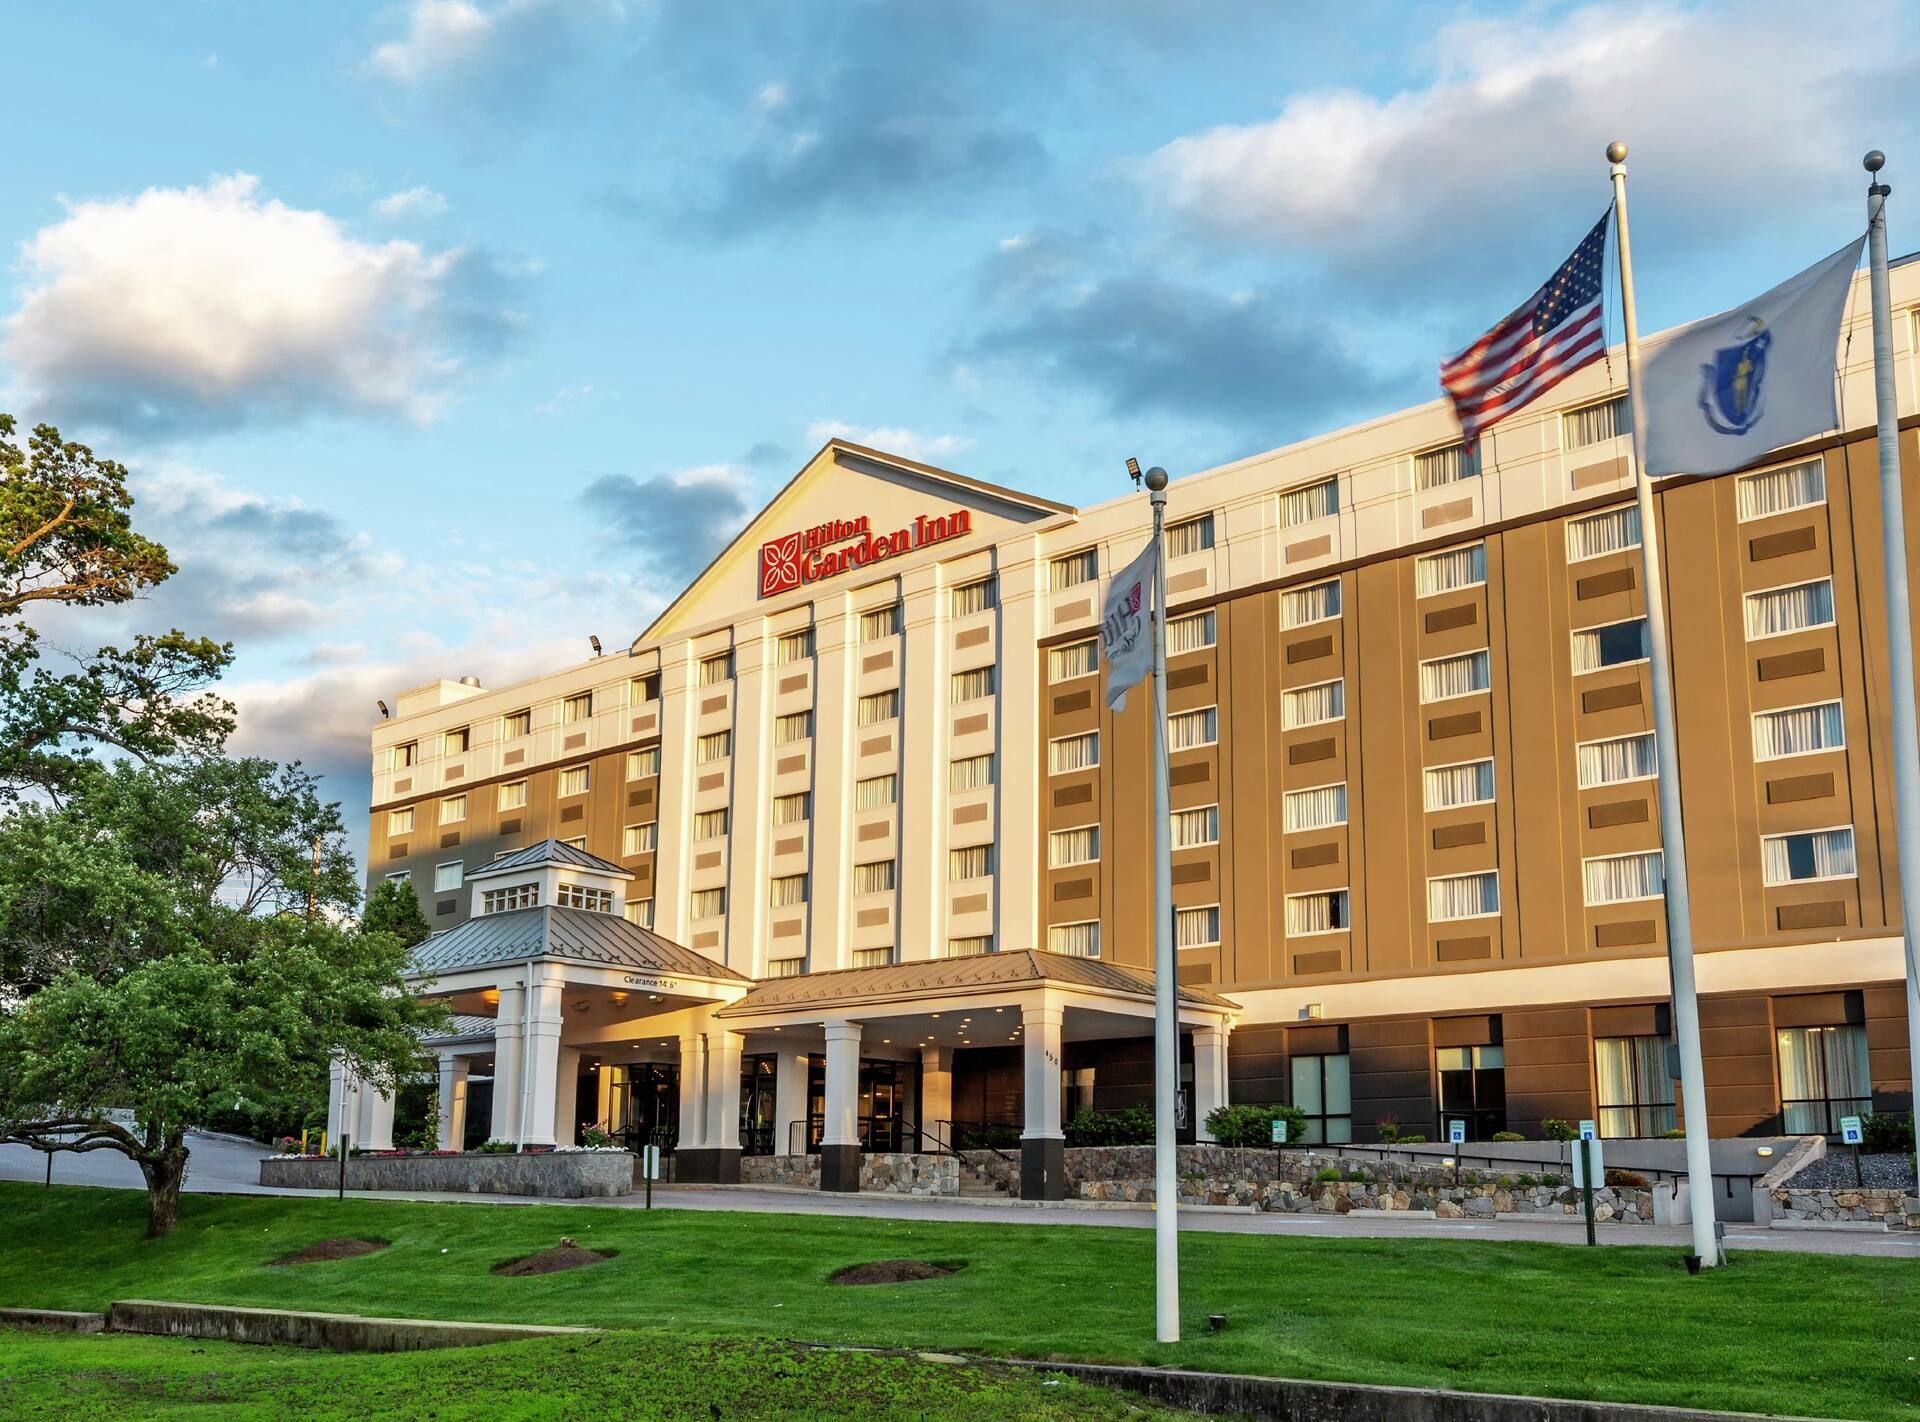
[559,1175]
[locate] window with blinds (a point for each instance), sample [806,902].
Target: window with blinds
[880,622]
[970,598]
[786,967]
[576,708]
[1449,787]
[1073,753]
[878,706]
[1449,571]
[1312,705]
[453,809]
[1192,729]
[710,824]
[793,647]
[400,821]
[1773,491]
[582,896]
[1074,659]
[1463,896]
[792,809]
[1190,634]
[1192,829]
[1322,807]
[787,890]
[1798,730]
[639,839]
[518,896]
[638,911]
[1818,854]
[874,877]
[1622,878]
[974,772]
[1776,611]
[1076,940]
[1446,465]
[970,685]
[716,669]
[1609,531]
[513,795]
[457,742]
[1618,759]
[1072,569]
[1304,505]
[1446,677]
[1068,847]
[575,780]
[1591,424]
[1193,535]
[877,792]
[872,957]
[642,763]
[1196,927]
[1323,912]
[973,862]
[1319,602]
[715,745]
[972,946]
[794,726]
[1613,645]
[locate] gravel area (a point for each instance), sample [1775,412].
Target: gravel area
[1835,1172]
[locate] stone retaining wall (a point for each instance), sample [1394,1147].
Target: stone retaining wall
[560,1175]
[796,1170]
[1893,1208]
[880,1174]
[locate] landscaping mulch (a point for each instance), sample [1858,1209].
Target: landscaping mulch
[892,1271]
[323,1249]
[563,1256]
[1835,1172]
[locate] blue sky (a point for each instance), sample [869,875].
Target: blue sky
[439,334]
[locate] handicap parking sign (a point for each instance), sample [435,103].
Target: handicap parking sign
[1850,1132]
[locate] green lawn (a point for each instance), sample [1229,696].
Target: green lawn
[1821,1335]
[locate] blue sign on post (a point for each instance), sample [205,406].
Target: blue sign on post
[1457,1132]
[1850,1132]
[1587,1131]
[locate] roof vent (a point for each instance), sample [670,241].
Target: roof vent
[472,681]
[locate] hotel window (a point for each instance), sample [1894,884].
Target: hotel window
[975,946]
[1319,808]
[406,756]
[582,896]
[1196,927]
[579,841]
[1823,1076]
[787,890]
[875,877]
[716,669]
[1449,787]
[1447,465]
[638,911]
[448,877]
[877,707]
[786,967]
[1598,534]
[1623,878]
[792,809]
[1456,896]
[1594,423]
[1073,569]
[715,745]
[1613,645]
[519,896]
[643,689]
[875,793]
[970,598]
[1447,677]
[973,862]
[706,903]
[975,772]
[400,821]
[1325,912]
[1074,659]
[1071,753]
[643,763]
[970,685]
[793,647]
[576,708]
[1190,634]
[513,795]
[1314,705]
[457,742]
[1304,505]
[872,957]
[1450,571]
[795,726]
[1192,535]
[1635,1091]
[1191,729]
[709,824]
[1075,940]
[516,724]
[640,839]
[1790,609]
[453,809]
[1192,829]
[879,623]
[1775,491]
[575,780]
[1068,847]
[1473,1088]
[1323,1093]
[1300,607]
[1613,761]
[1798,730]
[400,876]
[1817,854]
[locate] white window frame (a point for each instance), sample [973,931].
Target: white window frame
[1186,913]
[1210,637]
[1202,812]
[1292,797]
[1087,926]
[1623,422]
[1093,668]
[1426,784]
[459,867]
[879,623]
[1744,480]
[1344,892]
[1852,837]
[887,699]
[698,898]
[893,794]
[704,822]
[784,802]
[1053,765]
[1630,511]
[1055,838]
[1297,510]
[580,776]
[402,820]
[966,857]
[1287,621]
[649,759]
[1586,885]
[1203,522]
[891,876]
[782,891]
[1485,659]
[1841,744]
[953,774]
[1209,715]
[1060,565]
[1746,602]
[525,716]
[785,725]
[1287,694]
[505,803]
[722,739]
[453,808]
[1645,641]
[1579,772]
[1466,465]
[576,708]
[956,604]
[961,684]
[1423,585]
[791,647]
[714,670]
[1493,912]
[634,842]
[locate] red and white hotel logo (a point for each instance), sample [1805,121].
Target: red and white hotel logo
[831,548]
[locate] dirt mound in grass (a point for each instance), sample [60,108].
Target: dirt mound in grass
[322,1249]
[563,1256]
[894,1271]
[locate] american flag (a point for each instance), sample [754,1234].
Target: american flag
[1551,335]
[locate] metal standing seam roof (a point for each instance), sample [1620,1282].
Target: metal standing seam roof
[550,851]
[462,1025]
[955,974]
[549,931]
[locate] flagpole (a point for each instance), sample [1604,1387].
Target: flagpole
[1893,541]
[1673,840]
[1166,1026]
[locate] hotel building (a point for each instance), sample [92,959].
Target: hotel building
[845,852]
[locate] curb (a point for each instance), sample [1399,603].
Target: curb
[53,1320]
[339,1332]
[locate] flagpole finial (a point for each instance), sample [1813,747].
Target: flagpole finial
[1156,478]
[1874,161]
[1616,152]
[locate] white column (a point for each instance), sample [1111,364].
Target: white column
[453,1101]
[790,1102]
[506,1063]
[566,1097]
[693,1091]
[540,1063]
[375,1129]
[1043,1061]
[603,1109]
[1209,1076]
[724,1049]
[843,1084]
[339,1100]
[926,726]
[749,808]
[936,1097]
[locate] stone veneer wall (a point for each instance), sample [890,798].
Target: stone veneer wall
[1893,1208]
[564,1174]
[796,1170]
[883,1173]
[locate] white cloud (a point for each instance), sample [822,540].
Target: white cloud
[212,305]
[495,55]
[411,202]
[440,34]
[676,521]
[926,448]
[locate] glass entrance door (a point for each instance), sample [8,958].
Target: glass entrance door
[757,1100]
[644,1104]
[878,1105]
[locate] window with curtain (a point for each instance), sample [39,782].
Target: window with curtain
[638,911]
[793,647]
[1446,465]
[1773,491]
[1816,854]
[1633,1092]
[1455,896]
[1798,730]
[513,795]
[575,781]
[400,821]
[639,839]
[716,745]
[457,742]
[872,957]
[1076,940]
[1448,787]
[642,689]
[1196,927]
[875,877]
[1322,1090]
[880,622]
[1324,912]
[406,755]
[1320,602]
[642,763]
[1193,828]
[1072,569]
[877,706]
[1190,634]
[973,862]
[794,726]
[1074,659]
[970,946]
[1073,846]
[969,685]
[1304,505]
[576,708]
[877,792]
[1190,729]
[1311,705]
[1613,645]
[792,809]
[1193,535]
[786,967]
[1594,423]
[1610,531]
[448,877]
[1619,759]
[714,670]
[975,772]
[1318,808]
[1621,878]
[787,890]
[516,723]
[710,824]
[1790,609]
[1445,677]
[1450,571]
[1073,753]
[970,598]
[1823,1076]
[453,809]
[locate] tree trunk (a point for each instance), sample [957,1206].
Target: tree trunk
[165,1170]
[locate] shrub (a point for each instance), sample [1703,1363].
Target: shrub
[494,1148]
[1253,1125]
[1527,1181]
[1332,1172]
[1627,1180]
[1676,1134]
[593,1137]
[1406,1138]
[1508,1136]
[1553,1129]
[1884,1133]
[1553,1182]
[1389,1129]
[1133,1126]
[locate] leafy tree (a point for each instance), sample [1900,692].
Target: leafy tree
[393,907]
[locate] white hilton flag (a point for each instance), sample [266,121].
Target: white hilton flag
[1126,632]
[1722,392]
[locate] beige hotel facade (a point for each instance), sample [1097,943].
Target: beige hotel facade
[844,851]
